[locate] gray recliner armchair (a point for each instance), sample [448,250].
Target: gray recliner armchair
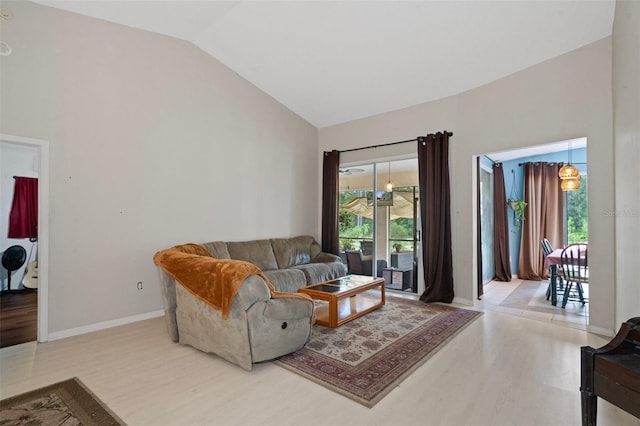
[260,324]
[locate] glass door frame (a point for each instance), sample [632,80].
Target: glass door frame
[371,184]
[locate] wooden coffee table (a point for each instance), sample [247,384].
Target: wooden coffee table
[345,299]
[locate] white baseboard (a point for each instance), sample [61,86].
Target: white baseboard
[102,325]
[601,331]
[462,301]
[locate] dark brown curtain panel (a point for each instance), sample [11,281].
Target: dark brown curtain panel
[435,211]
[330,181]
[500,226]
[23,217]
[543,217]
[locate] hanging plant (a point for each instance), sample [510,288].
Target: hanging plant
[516,204]
[518,212]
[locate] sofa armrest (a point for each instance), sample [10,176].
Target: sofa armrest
[253,289]
[323,257]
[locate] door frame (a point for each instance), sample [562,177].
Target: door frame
[486,169]
[43,228]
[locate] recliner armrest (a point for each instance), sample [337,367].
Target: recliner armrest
[253,289]
[289,309]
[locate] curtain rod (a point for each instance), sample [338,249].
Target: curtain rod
[385,144]
[522,164]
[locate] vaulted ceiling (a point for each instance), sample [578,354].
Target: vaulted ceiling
[336,61]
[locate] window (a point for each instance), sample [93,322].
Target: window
[403,227]
[351,227]
[577,220]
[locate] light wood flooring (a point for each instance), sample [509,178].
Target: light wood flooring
[528,299]
[503,369]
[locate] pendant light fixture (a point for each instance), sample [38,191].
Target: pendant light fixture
[569,171]
[569,174]
[389,186]
[570,184]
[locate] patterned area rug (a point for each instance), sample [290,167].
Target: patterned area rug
[68,403]
[366,358]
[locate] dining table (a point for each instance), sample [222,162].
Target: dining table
[551,261]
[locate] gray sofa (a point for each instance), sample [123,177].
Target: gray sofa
[260,326]
[289,263]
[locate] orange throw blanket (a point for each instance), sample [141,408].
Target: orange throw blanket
[214,281]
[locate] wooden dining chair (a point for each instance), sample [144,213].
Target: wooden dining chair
[575,270]
[547,249]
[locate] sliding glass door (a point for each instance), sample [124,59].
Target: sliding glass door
[378,228]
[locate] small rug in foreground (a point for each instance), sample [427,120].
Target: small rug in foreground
[65,403]
[366,358]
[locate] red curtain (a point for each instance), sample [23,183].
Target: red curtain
[435,210]
[23,218]
[330,189]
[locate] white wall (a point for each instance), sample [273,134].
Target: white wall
[152,143]
[15,160]
[563,98]
[626,109]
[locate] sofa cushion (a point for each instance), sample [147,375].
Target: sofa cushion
[321,272]
[292,251]
[314,272]
[258,252]
[218,249]
[337,270]
[287,280]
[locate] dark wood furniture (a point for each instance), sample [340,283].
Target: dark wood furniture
[555,273]
[575,270]
[612,372]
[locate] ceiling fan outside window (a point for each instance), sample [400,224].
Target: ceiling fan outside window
[347,172]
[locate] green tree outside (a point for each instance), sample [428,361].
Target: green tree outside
[352,228]
[577,220]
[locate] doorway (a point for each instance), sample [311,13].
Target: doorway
[37,165]
[525,295]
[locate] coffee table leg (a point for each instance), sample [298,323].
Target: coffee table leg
[333,313]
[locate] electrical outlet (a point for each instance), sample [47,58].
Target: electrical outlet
[139,285]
